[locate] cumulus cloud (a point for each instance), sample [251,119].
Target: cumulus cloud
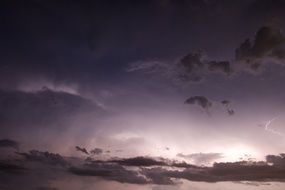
[276,160]
[268,43]
[7,143]
[205,104]
[201,158]
[196,66]
[201,101]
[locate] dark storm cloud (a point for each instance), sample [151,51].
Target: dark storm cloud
[192,61]
[267,46]
[140,161]
[205,103]
[268,43]
[7,143]
[201,101]
[109,172]
[45,158]
[143,161]
[196,62]
[193,67]
[149,171]
[236,171]
[6,166]
[277,160]
[83,150]
[158,175]
[201,158]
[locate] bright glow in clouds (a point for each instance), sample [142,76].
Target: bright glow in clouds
[240,152]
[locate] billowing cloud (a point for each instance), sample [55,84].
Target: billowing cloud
[268,43]
[276,160]
[201,101]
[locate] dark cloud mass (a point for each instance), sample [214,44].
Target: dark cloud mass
[140,161]
[7,143]
[268,43]
[149,170]
[200,101]
[82,150]
[45,157]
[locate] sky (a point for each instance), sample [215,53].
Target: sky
[147,95]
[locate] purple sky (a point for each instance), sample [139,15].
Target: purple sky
[155,94]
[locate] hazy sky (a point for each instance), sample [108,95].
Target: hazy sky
[117,94]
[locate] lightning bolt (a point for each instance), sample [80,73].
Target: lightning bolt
[267,128]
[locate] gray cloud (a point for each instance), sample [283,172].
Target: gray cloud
[7,166]
[7,143]
[146,170]
[109,172]
[201,101]
[83,150]
[276,160]
[236,171]
[195,66]
[140,161]
[45,158]
[268,43]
